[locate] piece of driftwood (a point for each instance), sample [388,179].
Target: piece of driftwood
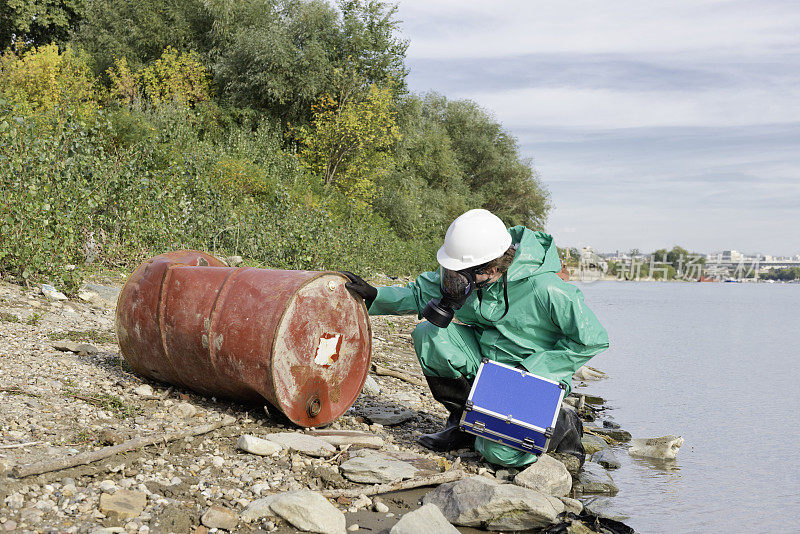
[451,475]
[385,371]
[18,445]
[46,466]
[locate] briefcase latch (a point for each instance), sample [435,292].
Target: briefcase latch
[480,426]
[468,406]
[528,443]
[549,432]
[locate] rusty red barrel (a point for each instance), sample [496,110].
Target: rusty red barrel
[298,339]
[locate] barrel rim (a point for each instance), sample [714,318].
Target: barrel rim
[279,322]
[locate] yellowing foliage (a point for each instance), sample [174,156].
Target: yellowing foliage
[172,79]
[234,176]
[124,84]
[348,145]
[42,79]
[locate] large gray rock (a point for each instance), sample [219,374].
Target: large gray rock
[481,502]
[304,443]
[595,479]
[592,444]
[604,507]
[572,505]
[607,459]
[340,438]
[572,463]
[98,295]
[664,448]
[220,517]
[259,509]
[52,293]
[145,390]
[304,509]
[255,445]
[123,504]
[387,416]
[425,520]
[372,467]
[546,475]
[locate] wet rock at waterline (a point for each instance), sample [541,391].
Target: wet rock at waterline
[664,448]
[482,502]
[617,434]
[606,458]
[603,507]
[592,444]
[425,520]
[593,479]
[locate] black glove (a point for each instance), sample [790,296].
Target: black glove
[360,287]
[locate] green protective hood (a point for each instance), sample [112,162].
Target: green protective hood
[537,254]
[547,327]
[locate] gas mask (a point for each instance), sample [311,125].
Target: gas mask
[455,287]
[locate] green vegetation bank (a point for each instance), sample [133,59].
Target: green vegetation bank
[281,131]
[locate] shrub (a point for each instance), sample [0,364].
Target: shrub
[42,80]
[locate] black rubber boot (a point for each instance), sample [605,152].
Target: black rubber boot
[453,394]
[567,435]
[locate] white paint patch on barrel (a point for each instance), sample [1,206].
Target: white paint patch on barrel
[328,349]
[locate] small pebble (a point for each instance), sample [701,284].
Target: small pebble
[381,508]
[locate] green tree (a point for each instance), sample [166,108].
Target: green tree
[368,44]
[281,57]
[490,163]
[347,145]
[425,191]
[140,31]
[38,22]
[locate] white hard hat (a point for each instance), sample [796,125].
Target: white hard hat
[474,238]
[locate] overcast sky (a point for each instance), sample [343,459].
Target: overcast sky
[651,123]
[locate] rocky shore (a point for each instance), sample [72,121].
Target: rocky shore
[214,466]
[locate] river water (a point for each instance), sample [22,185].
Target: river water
[716,363]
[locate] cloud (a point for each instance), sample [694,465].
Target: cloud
[571,107]
[651,123]
[471,29]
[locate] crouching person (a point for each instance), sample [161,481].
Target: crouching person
[502,287]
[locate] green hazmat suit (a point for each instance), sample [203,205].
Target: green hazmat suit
[548,328]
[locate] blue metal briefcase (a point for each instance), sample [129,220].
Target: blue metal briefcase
[512,407]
